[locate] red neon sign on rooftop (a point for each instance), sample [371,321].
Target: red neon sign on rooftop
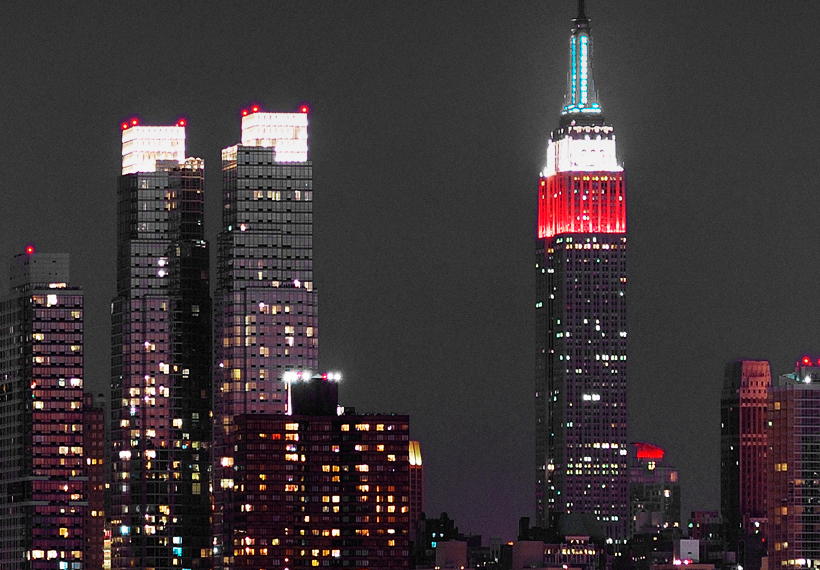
[648,451]
[576,202]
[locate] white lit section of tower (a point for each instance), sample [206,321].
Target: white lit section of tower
[143,146]
[581,334]
[266,306]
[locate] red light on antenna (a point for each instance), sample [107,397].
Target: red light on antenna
[255,109]
[304,109]
[134,122]
[30,249]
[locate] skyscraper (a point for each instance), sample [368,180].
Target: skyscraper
[266,305]
[43,475]
[793,468]
[581,326]
[743,449]
[161,357]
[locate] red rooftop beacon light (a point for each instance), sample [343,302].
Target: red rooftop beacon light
[134,122]
[244,112]
[303,109]
[30,250]
[806,360]
[181,123]
[124,126]
[255,108]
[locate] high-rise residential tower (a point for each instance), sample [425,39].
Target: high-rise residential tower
[793,468]
[743,450]
[43,476]
[266,305]
[581,325]
[161,357]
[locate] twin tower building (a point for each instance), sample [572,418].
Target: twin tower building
[265,313]
[230,451]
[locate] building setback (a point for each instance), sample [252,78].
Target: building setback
[743,449]
[581,317]
[266,304]
[43,476]
[161,357]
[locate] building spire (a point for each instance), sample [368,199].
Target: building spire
[581,97]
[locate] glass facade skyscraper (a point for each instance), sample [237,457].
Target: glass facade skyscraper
[161,357]
[43,476]
[266,305]
[581,328]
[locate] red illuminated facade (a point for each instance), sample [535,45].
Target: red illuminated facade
[582,202]
[743,449]
[581,312]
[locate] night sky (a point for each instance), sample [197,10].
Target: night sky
[428,128]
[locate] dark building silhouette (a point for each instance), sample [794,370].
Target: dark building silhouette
[743,451]
[94,453]
[161,357]
[581,318]
[43,490]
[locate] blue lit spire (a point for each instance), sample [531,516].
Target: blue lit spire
[581,97]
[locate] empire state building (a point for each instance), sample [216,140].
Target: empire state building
[581,317]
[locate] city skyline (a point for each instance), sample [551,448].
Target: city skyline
[433,162]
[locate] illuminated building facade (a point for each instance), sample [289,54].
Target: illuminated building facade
[161,357]
[793,485]
[581,319]
[266,305]
[416,484]
[743,449]
[42,465]
[654,492]
[317,490]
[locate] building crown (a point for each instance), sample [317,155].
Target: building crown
[581,100]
